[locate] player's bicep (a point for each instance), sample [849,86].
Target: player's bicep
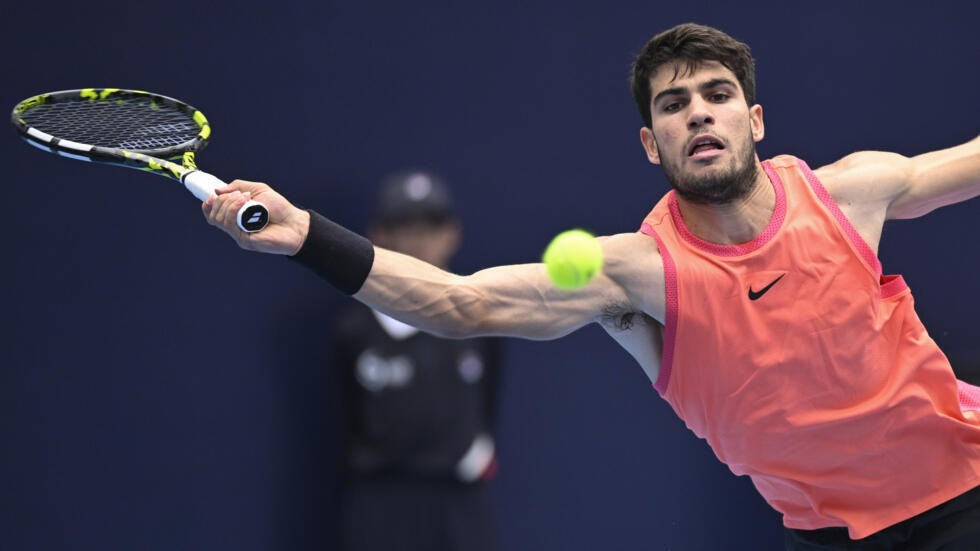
[937,179]
[874,184]
[521,301]
[866,179]
[517,300]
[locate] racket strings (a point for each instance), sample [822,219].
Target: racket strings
[128,123]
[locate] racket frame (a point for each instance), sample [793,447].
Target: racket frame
[176,162]
[158,160]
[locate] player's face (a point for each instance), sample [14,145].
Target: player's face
[703,133]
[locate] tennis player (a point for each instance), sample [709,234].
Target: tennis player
[751,295]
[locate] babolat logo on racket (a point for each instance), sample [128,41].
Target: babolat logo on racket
[254,217]
[129,128]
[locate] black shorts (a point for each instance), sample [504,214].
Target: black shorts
[951,526]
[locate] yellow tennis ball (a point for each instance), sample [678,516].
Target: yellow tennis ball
[572,259]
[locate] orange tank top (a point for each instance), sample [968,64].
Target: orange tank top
[807,370]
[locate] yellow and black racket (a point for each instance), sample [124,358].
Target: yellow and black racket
[128,128]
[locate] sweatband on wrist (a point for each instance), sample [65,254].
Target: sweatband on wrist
[336,254]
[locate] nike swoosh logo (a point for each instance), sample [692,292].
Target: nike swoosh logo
[754,295]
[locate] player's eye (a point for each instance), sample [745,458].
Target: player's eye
[719,97]
[672,106]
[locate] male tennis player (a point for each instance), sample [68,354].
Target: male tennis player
[753,298]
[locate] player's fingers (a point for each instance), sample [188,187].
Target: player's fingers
[206,208]
[224,215]
[229,208]
[220,206]
[215,207]
[247,186]
[211,208]
[237,185]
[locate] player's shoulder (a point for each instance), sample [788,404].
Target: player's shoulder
[626,247]
[862,161]
[634,265]
[863,173]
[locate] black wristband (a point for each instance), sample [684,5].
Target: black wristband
[336,254]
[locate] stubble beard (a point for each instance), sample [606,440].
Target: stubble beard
[720,187]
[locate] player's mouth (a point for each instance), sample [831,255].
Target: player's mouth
[704,146]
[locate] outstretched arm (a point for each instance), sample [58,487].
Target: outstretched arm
[906,187]
[514,300]
[872,186]
[938,179]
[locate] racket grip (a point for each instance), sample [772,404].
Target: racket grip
[252,217]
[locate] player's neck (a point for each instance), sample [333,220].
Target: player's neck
[739,221]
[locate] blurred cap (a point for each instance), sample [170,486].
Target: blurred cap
[410,195]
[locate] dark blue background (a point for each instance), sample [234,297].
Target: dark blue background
[162,389]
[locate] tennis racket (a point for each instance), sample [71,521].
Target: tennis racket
[128,128]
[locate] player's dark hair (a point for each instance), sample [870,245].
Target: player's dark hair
[690,45]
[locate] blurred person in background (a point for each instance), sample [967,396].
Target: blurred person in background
[417,410]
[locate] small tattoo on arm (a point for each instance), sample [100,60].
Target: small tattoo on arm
[618,317]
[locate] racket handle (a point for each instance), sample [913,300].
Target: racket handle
[252,217]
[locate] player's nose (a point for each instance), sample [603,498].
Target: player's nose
[699,113]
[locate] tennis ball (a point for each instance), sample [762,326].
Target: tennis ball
[572,259]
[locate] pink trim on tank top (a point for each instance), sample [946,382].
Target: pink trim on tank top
[892,285]
[670,307]
[852,234]
[969,396]
[776,222]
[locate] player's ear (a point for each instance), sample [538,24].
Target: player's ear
[650,145]
[755,120]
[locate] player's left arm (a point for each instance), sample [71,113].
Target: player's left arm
[937,179]
[897,186]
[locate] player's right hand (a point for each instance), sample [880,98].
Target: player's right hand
[287,227]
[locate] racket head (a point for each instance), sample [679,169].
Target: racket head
[112,125]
